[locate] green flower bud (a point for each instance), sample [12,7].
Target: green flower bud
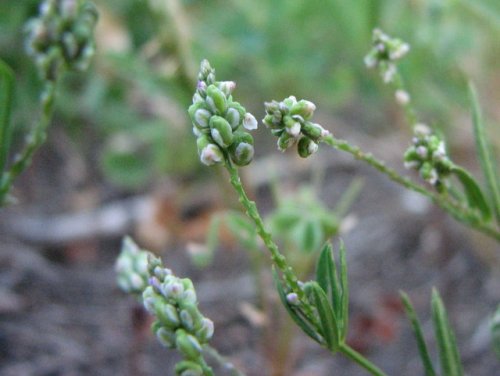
[166,337]
[209,153]
[187,344]
[206,330]
[314,131]
[233,118]
[291,126]
[216,100]
[148,298]
[188,368]
[241,150]
[226,87]
[221,131]
[285,141]
[290,101]
[187,320]
[167,314]
[303,108]
[171,289]
[192,110]
[306,147]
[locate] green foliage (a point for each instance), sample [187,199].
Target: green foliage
[6,98]
[449,356]
[484,153]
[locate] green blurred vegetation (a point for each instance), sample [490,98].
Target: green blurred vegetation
[127,112]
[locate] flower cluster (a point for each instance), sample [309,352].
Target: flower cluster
[132,268]
[219,121]
[289,121]
[385,52]
[179,324]
[62,36]
[428,156]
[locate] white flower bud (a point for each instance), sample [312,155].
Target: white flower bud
[402,97]
[292,298]
[211,155]
[249,121]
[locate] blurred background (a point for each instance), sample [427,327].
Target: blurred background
[120,159]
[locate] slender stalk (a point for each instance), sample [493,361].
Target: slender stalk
[34,140]
[456,210]
[222,361]
[278,259]
[361,360]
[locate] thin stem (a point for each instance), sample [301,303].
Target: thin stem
[455,209]
[361,360]
[34,140]
[278,259]
[207,370]
[222,361]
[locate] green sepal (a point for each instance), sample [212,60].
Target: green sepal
[313,130]
[419,335]
[221,131]
[327,317]
[216,99]
[188,365]
[448,351]
[241,150]
[475,197]
[296,316]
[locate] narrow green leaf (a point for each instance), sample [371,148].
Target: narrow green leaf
[484,152]
[327,278]
[495,331]
[475,196]
[344,315]
[6,98]
[448,351]
[328,320]
[302,322]
[417,331]
[324,268]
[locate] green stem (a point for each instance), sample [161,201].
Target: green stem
[222,361]
[459,212]
[397,83]
[207,370]
[34,140]
[278,259]
[361,360]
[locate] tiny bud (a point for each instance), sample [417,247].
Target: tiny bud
[249,122]
[201,118]
[187,320]
[292,298]
[226,87]
[206,331]
[285,141]
[421,130]
[313,130]
[221,131]
[233,118]
[216,100]
[211,155]
[188,345]
[306,147]
[303,108]
[422,151]
[402,97]
[389,73]
[165,337]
